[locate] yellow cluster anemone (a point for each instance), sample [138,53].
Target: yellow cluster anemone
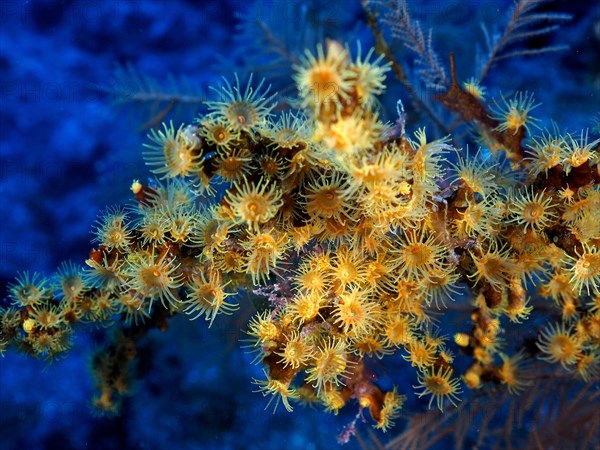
[354,239]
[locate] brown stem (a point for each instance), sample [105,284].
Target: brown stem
[382,48]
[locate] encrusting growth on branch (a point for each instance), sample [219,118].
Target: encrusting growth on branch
[357,237]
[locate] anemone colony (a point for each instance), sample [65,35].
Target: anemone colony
[360,235]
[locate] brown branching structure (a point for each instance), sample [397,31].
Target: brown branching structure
[383,48]
[472,110]
[552,413]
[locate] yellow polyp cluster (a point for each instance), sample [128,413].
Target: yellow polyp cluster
[356,240]
[206,297]
[440,386]
[240,110]
[113,231]
[473,87]
[174,152]
[514,113]
[254,204]
[512,371]
[533,210]
[392,404]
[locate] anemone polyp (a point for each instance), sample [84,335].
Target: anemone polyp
[173,153]
[255,204]
[243,110]
[514,113]
[153,277]
[323,79]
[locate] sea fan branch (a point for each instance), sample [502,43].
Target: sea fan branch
[411,33]
[523,25]
[131,88]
